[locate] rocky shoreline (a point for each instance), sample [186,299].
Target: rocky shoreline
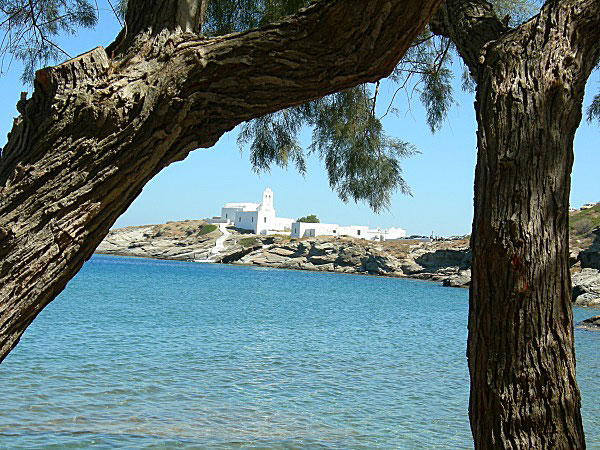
[445,261]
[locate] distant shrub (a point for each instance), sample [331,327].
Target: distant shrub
[583,227]
[309,219]
[248,242]
[205,229]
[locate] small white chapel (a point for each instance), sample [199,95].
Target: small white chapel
[259,218]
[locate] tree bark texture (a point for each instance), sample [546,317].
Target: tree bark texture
[530,86]
[100,126]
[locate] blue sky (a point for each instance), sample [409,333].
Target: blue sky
[440,177]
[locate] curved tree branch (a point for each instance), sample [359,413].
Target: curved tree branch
[97,129]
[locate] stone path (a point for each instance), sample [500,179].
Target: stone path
[220,244]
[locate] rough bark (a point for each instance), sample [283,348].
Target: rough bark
[530,85]
[100,126]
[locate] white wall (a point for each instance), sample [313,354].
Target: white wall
[395,233]
[229,213]
[247,220]
[281,223]
[304,229]
[354,231]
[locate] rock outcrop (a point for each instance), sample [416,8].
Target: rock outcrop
[590,258]
[592,323]
[443,261]
[446,261]
[586,288]
[331,255]
[184,241]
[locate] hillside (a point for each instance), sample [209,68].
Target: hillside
[186,240]
[581,223]
[581,226]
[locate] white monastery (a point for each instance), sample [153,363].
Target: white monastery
[260,218]
[257,217]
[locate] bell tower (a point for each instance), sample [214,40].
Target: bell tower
[267,200]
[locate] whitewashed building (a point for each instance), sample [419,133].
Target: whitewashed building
[259,218]
[305,229]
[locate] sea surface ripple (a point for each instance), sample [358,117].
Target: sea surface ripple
[154,354]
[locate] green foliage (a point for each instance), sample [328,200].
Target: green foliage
[426,67]
[30,27]
[593,111]
[273,139]
[436,96]
[362,162]
[581,223]
[248,242]
[226,16]
[309,219]
[518,11]
[205,229]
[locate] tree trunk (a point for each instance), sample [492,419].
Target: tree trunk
[530,85]
[520,348]
[100,126]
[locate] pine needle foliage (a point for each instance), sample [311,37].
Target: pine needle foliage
[362,162]
[30,27]
[231,16]
[273,139]
[593,111]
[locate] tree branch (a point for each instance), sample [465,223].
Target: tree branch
[96,130]
[470,24]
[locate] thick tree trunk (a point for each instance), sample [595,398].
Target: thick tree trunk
[100,126]
[530,85]
[520,349]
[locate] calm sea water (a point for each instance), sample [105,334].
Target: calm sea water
[152,354]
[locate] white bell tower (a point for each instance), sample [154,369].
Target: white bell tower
[267,201]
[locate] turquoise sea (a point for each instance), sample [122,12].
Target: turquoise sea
[154,354]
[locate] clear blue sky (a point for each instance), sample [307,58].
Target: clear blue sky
[440,177]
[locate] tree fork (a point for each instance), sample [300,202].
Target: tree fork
[99,127]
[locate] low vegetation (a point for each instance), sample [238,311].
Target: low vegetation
[248,242]
[581,223]
[205,229]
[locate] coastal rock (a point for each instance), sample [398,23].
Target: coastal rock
[586,288]
[173,240]
[410,267]
[592,322]
[462,279]
[435,260]
[590,258]
[186,240]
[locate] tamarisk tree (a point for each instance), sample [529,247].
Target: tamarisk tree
[98,127]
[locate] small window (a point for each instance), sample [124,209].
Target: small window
[359,232]
[239,219]
[252,219]
[265,220]
[226,216]
[334,231]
